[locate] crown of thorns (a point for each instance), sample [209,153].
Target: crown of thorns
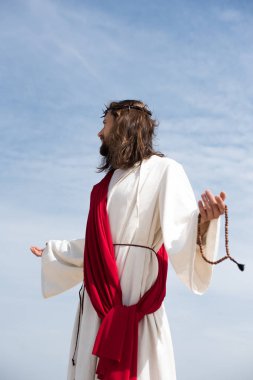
[119,107]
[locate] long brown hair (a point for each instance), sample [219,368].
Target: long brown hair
[131,137]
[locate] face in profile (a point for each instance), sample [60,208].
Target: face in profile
[104,133]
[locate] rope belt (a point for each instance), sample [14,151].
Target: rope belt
[79,319]
[81,298]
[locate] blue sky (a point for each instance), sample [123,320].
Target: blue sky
[60,62]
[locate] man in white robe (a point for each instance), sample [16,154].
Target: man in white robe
[148,204]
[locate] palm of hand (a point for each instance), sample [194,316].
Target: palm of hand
[212,207]
[36,251]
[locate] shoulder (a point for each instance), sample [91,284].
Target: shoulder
[163,163]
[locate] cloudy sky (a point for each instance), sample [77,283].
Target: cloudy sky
[60,62]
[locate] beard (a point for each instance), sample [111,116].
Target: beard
[104,149]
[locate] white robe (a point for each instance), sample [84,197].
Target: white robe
[149,205]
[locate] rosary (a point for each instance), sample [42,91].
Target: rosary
[199,242]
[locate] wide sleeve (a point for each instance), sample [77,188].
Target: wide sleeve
[179,221]
[61,266]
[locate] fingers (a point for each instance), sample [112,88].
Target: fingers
[223,195]
[212,206]
[220,203]
[36,251]
[202,212]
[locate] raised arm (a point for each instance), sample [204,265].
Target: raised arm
[179,217]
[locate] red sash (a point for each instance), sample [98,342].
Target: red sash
[116,343]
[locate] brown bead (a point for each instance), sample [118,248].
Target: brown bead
[199,242]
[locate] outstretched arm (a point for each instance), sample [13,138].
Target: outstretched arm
[61,265]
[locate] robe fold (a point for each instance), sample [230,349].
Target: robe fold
[151,204]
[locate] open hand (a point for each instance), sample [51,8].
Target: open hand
[212,206]
[37,251]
